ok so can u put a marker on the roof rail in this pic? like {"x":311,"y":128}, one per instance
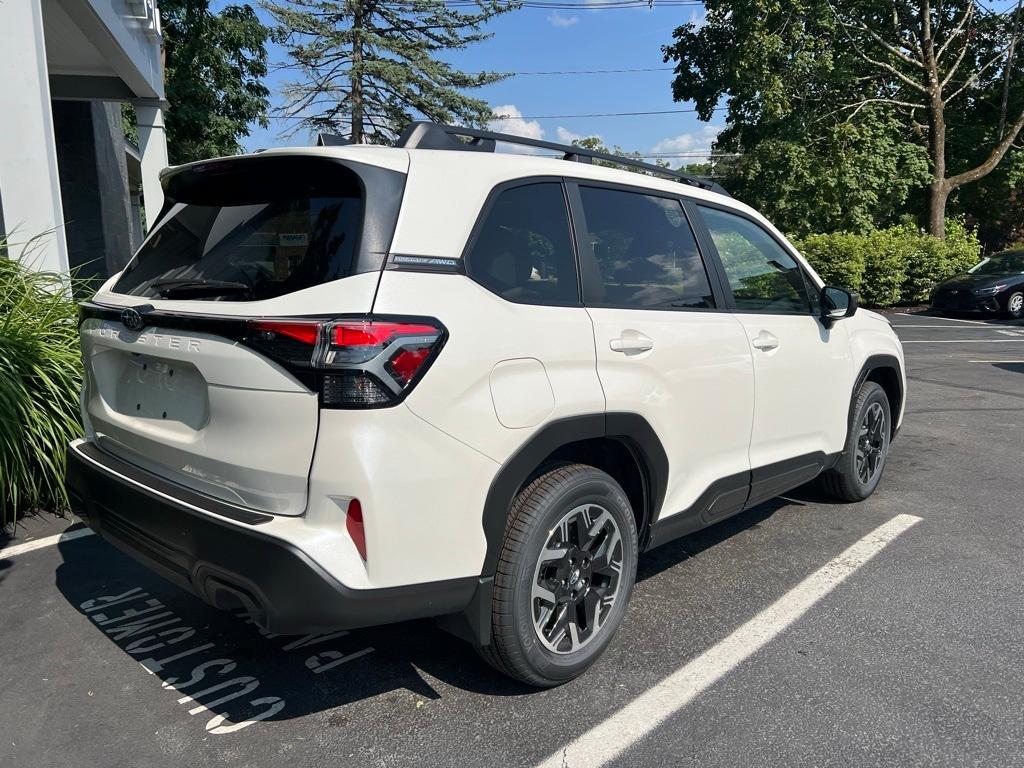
{"x":426,"y":135}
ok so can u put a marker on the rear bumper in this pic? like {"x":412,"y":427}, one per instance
{"x":219,"y":553}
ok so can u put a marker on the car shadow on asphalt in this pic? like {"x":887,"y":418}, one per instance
{"x":223,"y":660}
{"x":1011,"y":367}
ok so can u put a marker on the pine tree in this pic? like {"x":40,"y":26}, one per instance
{"x":369,"y":67}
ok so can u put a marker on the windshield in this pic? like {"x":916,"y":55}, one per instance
{"x":252,"y":232}
{"x":1005,"y":263}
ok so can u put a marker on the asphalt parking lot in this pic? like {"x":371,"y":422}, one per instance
{"x":799,"y":633}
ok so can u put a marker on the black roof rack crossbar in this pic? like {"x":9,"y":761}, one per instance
{"x":426,"y":135}
{"x":331,"y":140}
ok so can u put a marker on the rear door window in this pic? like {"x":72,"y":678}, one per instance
{"x":252,"y":230}
{"x":523,"y":250}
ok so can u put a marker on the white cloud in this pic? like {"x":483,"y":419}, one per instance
{"x":696,"y":142}
{"x":508,"y":119}
{"x":565,"y":136}
{"x":558,"y":20}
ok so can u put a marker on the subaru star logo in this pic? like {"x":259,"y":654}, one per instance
{"x":131,"y":319}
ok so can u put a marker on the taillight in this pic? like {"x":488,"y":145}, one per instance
{"x":357,"y":363}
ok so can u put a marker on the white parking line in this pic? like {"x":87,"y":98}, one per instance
{"x":612,"y":737}
{"x":948,"y":319}
{"x":993,"y":362}
{"x":946,"y":327}
{"x":962,"y":341}
{"x":46,"y":541}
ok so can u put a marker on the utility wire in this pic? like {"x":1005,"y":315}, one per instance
{"x":568,"y":5}
{"x":602,"y":114}
{"x":592,"y":71}
{"x":550,"y":117}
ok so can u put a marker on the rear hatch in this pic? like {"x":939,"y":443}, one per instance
{"x":198,"y":358}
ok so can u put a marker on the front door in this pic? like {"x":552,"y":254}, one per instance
{"x":802,"y":369}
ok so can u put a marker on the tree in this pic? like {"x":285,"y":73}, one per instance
{"x":596,"y":144}
{"x":923,"y":57}
{"x":214,"y":69}
{"x":370,"y":66}
{"x":848,"y":176}
{"x":914,"y":70}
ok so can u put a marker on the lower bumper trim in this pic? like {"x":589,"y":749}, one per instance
{"x":232,"y":566}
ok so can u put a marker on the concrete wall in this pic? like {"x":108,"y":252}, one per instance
{"x":88,"y":55}
{"x":29,"y":185}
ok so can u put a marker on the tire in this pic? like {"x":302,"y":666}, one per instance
{"x":1015,"y":305}
{"x":850,"y":480}
{"x":546,"y":642}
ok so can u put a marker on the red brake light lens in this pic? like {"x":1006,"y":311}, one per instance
{"x":375,"y":333}
{"x":304,"y":332}
{"x":404,"y":365}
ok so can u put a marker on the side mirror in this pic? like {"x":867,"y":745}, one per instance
{"x":837,"y":303}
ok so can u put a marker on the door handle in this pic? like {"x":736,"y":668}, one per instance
{"x":765,"y":341}
{"x":631,"y":342}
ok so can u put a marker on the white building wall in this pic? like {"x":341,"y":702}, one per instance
{"x":29,"y":185}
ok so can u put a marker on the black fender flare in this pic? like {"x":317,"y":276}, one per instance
{"x":872,"y":363}
{"x":632,"y":429}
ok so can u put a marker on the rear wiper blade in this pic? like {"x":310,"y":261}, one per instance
{"x":179,"y":288}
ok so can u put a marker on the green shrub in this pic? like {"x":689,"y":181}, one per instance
{"x":886,"y":267}
{"x":930,"y":260}
{"x":40,"y":376}
{"x":898,"y":265}
{"x":839,"y":257}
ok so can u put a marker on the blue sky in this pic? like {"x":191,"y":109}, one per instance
{"x":544,"y":40}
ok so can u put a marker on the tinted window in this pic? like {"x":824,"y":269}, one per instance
{"x":244,"y":236}
{"x":762,"y":275}
{"x":644,"y":251}
{"x":1006,"y":263}
{"x":523,"y":251}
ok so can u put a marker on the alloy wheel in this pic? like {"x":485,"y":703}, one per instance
{"x":1016,"y":304}
{"x":871,"y":443}
{"x":576,"y":579}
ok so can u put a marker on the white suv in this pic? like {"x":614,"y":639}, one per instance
{"x":345,"y":386}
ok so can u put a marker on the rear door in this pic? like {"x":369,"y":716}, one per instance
{"x":198,"y":365}
{"x":666,"y":350}
{"x":802,"y":369}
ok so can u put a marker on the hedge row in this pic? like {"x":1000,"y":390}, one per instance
{"x":898,"y":265}
{"x":40,"y":376}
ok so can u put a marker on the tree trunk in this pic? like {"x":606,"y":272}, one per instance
{"x":356,"y":90}
{"x":938,"y":192}
{"x":938,"y":195}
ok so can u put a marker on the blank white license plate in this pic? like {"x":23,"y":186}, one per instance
{"x":166,"y":390}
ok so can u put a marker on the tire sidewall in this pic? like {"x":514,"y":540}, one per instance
{"x":875,"y":395}
{"x":1020,"y":313}
{"x":596,"y":488}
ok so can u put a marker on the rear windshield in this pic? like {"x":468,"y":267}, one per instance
{"x":245,"y":230}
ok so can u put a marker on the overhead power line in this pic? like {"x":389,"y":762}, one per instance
{"x":553,"y":117}
{"x":569,"y":5}
{"x":603,"y":114}
{"x":594,"y":71}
